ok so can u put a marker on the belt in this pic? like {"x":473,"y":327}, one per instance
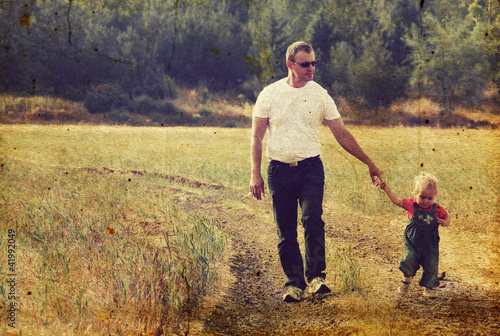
{"x":297,"y":163}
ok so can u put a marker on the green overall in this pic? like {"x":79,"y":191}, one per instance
{"x":421,"y":242}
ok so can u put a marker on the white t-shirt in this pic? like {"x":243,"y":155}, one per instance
{"x":295,"y":116}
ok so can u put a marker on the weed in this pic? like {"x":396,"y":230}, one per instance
{"x":95,"y":254}
{"x":347,"y":268}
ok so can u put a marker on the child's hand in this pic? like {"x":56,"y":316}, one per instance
{"x":380,"y":183}
{"x":443,"y":222}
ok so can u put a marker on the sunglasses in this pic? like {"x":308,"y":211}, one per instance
{"x":306,"y":64}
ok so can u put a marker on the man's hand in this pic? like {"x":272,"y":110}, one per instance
{"x":259,"y":127}
{"x":375,"y":174}
{"x":257,"y":186}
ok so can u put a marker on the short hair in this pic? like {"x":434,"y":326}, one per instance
{"x":425,"y":181}
{"x":295,"y":47}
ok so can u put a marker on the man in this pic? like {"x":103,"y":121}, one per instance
{"x":293,"y":109}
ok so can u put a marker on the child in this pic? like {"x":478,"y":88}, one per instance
{"x":421,"y":237}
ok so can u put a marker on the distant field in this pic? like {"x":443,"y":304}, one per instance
{"x":81,"y":233}
{"x":465,"y":160}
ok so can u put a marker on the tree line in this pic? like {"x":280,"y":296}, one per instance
{"x":371,"y":52}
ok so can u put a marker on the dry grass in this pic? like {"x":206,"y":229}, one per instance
{"x":43,"y":110}
{"x":422,"y":107}
{"x":101,"y":254}
{"x":423,"y":111}
{"x":210,"y":109}
{"x":490,"y":115}
{"x":199,"y":107}
{"x":93,"y":244}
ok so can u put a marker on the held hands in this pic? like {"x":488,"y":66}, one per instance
{"x":379,"y":183}
{"x":375,"y":174}
{"x":392,"y":196}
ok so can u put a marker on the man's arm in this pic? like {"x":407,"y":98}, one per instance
{"x":349,"y":143}
{"x":259,"y":127}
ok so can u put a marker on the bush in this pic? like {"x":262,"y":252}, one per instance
{"x":230,"y":124}
{"x":147,"y":105}
{"x":170,"y":87}
{"x":205,"y":95}
{"x":205,"y":113}
{"x":159,"y":87}
{"x":168,"y":108}
{"x":157,"y":117}
{"x":119,"y":115}
{"x":104,"y":98}
{"x":144,"y":105}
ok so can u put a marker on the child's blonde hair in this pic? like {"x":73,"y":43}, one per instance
{"x":425,"y":181}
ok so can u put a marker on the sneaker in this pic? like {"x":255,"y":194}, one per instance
{"x":293,"y":294}
{"x":318,"y":286}
{"x":430,"y":292}
{"x":403,"y":289}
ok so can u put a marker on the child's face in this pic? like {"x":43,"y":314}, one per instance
{"x":426,"y":198}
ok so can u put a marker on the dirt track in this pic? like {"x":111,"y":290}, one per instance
{"x":248,"y":299}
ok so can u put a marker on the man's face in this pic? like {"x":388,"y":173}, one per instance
{"x":302,"y":74}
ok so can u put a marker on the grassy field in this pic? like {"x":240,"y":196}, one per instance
{"x":113,"y":250}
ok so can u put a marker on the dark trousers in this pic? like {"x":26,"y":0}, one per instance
{"x":422,"y":246}
{"x":421,"y":242}
{"x":415,"y":257}
{"x":289,"y":187}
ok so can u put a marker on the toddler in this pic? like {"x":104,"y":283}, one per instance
{"x":421,"y":237}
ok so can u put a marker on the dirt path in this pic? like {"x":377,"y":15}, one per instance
{"x":248,"y":300}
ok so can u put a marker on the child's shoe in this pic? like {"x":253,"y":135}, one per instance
{"x":403,"y":289}
{"x":405,"y":285}
{"x":430,"y":292}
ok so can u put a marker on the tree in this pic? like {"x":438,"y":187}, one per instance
{"x":356,"y":41}
{"x":491,"y":20}
{"x":270,"y":26}
{"x":15,"y":43}
{"x":368,"y":50}
{"x":209,"y":44}
{"x":448,"y":53}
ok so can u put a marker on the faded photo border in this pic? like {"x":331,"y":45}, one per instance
{"x":125,"y":161}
